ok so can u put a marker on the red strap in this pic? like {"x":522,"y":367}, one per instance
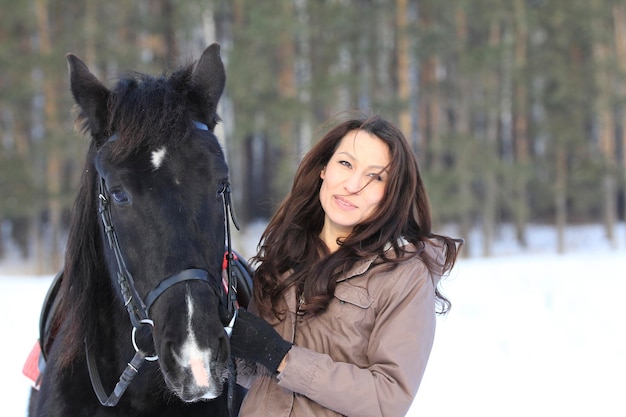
{"x":225,"y":260}
{"x":225,"y":273}
{"x":31,"y":366}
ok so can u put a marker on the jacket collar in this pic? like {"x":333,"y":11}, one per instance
{"x":363,"y":265}
{"x":359,"y":268}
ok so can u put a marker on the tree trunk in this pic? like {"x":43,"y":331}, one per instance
{"x":53,"y":169}
{"x":172,"y":53}
{"x":429,"y":104}
{"x":619,"y":19}
{"x":463,"y":130}
{"x":303,"y":76}
{"x":606,"y":131}
{"x":520,"y":124}
{"x":3,"y":238}
{"x":492,"y":84}
{"x":560,"y":195}
{"x":403,"y":70}
{"x":258,"y":178}
{"x":287,"y":80}
{"x":90,"y":34}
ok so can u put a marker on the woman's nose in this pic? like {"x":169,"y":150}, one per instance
{"x":354,"y":183}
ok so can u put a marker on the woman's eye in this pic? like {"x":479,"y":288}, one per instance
{"x":346,"y":164}
{"x":375,"y":176}
{"x":120,"y":196}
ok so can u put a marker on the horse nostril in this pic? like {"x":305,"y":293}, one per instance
{"x":167,"y":356}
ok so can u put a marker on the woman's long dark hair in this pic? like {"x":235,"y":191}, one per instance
{"x":291,"y":240}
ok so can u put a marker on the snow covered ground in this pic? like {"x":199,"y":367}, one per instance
{"x":530,"y":332}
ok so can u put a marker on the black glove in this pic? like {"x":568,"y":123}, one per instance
{"x":256,"y":340}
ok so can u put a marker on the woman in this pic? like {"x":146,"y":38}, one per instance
{"x":346,"y":283}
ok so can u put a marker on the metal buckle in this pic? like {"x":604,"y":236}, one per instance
{"x":133,"y":335}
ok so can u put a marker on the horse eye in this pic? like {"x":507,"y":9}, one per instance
{"x":221,"y":188}
{"x":120,"y":196}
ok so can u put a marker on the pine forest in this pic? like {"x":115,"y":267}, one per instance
{"x":515,"y":109}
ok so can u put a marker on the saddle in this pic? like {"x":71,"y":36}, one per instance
{"x":35,"y":363}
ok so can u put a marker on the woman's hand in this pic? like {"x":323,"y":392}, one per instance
{"x":256,"y":340}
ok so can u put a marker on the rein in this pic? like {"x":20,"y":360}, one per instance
{"x":138,"y":309}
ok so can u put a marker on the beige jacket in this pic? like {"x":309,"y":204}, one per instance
{"x":365,"y":356}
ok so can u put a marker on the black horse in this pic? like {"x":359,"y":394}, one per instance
{"x":139,"y":302}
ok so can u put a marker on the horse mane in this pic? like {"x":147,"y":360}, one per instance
{"x":143,"y":109}
{"x":84,"y":270}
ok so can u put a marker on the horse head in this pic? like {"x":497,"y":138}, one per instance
{"x":160,"y":177}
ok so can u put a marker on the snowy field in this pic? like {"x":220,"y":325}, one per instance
{"x":531,"y":333}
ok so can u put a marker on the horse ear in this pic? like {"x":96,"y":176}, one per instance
{"x":90,"y":95}
{"x":209,"y":77}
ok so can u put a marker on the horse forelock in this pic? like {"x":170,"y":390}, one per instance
{"x":148,"y":111}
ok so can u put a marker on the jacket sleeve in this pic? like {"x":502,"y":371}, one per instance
{"x":398,"y":351}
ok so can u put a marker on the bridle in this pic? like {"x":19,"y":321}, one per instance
{"x":138,"y":309}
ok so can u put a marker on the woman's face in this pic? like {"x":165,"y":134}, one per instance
{"x":353,"y":183}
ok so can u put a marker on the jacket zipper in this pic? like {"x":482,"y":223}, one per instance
{"x":298,"y":317}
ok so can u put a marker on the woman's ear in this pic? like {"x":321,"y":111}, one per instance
{"x":323,"y":172}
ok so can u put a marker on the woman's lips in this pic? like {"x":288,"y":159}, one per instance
{"x":343,"y":203}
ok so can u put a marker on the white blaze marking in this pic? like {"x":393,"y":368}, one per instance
{"x":157,"y":157}
{"x":191,"y":356}
{"x":199,"y":373}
